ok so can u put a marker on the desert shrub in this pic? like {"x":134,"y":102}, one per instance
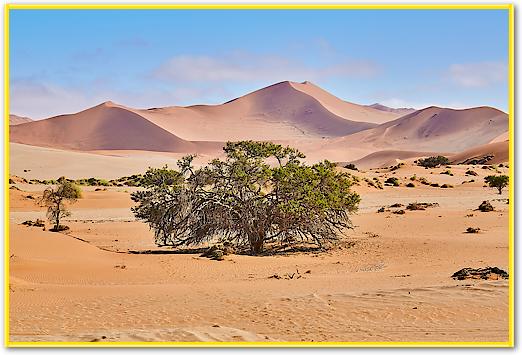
{"x":351,"y":166}
{"x":399,"y":212}
{"x":471,"y":172}
{"x":396,"y":205}
{"x":497,"y":181}
{"x":59,"y":228}
{"x":410,"y":184}
{"x":391,"y":181}
{"x":433,"y":162}
{"x":485,"y":206}
{"x":380,"y":210}
{"x":446,"y":186}
{"x":447,"y":172}
{"x":396,"y":167}
{"x":414,"y":177}
{"x":37,"y":223}
{"x":472,"y":230}
{"x":420,"y":206}
{"x":246,"y":200}
{"x":434,"y":184}
{"x":54,"y":199}
{"x":423,"y":181}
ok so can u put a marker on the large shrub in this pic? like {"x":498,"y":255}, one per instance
{"x":433,"y":162}
{"x":260,"y":192}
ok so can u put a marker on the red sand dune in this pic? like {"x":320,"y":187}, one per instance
{"x":298,"y":114}
{"x":499,"y":150}
{"x":386,"y":158}
{"x":432,"y":129}
{"x":401,"y":110}
{"x":16,"y":120}
{"x":106,"y":126}
{"x":281,"y":111}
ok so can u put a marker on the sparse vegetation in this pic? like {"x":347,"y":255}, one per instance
{"x":433,"y":162}
{"x":446,"y":186}
{"x":351,"y":166}
{"x":399,"y":212}
{"x":447,"y":172}
{"x":420,"y":206}
{"x":472,"y":230}
{"x":471,"y":172}
{"x":486,"y":206}
{"x":497,"y":181}
{"x":396,"y":167}
{"x":37,"y":223}
{"x":410,"y":184}
{"x":246,"y":201}
{"x":54,"y":199}
{"x":392,"y":181}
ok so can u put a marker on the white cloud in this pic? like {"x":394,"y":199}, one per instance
{"x":242,"y":67}
{"x":478,"y":75}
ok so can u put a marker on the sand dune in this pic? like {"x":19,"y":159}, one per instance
{"x":16,"y":120}
{"x":499,"y":151}
{"x":501,"y":138}
{"x":386,"y":158}
{"x":431,"y":129}
{"x":400,"y":110}
{"x":281,"y":111}
{"x":106,"y":126}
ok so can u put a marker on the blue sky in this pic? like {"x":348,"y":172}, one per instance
{"x":63,"y":61}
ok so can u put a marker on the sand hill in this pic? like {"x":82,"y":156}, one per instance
{"x":431,"y":129}
{"x":400,"y":110}
{"x":16,"y":120}
{"x":494,"y":153}
{"x":283,"y":111}
{"x":298,"y":114}
{"x":104,"y":127}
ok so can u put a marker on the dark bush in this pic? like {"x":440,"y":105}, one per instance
{"x":433,"y":162}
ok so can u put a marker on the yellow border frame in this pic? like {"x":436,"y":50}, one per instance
{"x":509,"y":7}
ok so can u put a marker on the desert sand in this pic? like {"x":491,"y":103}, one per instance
{"x":388,"y":280}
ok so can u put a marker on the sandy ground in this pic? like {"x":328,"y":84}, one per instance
{"x":388,"y":280}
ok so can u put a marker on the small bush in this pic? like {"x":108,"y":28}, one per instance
{"x":446,"y":186}
{"x":392,"y":181}
{"x":380,"y":210}
{"x":433,"y":162}
{"x":471,"y":172}
{"x":423,"y":181}
{"x":486,"y":206}
{"x":396,"y":167}
{"x":396,"y":205}
{"x":410,"y":184}
{"x":420,"y":206}
{"x":472,"y":230}
{"x":37,"y":223}
{"x":434,"y":185}
{"x":447,"y":172}
{"x":399,"y":212}
{"x":414,"y":177}
{"x":351,"y":166}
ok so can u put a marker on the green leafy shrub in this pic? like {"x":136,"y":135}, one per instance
{"x":433,"y":162}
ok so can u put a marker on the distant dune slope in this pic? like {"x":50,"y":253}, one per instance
{"x":432,"y":129}
{"x":386,"y":158}
{"x":345,"y":109}
{"x":16,"y":120}
{"x":106,"y":126}
{"x":401,"y":110}
{"x":284,"y":110}
{"x":499,"y":151}
{"x":501,"y":138}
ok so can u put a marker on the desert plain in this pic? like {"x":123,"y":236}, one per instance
{"x":388,"y":279}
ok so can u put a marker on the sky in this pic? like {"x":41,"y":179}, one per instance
{"x":64,"y":61}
